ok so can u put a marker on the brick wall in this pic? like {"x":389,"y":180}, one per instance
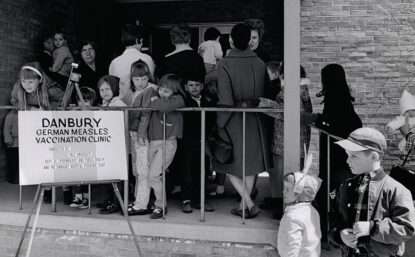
{"x":374,"y":41}
{"x":52,"y":243}
{"x":23,"y":24}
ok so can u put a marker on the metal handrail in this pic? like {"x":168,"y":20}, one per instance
{"x":186,"y":109}
{"x":203,"y":111}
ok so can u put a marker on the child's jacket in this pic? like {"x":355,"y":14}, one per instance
{"x":192,"y":121}
{"x":62,"y":60}
{"x":174,"y":120}
{"x":299,"y":233}
{"x":10,"y":130}
{"x":390,"y":205}
{"x":140,"y":120}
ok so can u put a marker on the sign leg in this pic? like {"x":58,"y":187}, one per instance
{"x":32,"y":234}
{"x":28,"y":221}
{"x":127,"y":218}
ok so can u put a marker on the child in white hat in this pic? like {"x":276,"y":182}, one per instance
{"x":299,"y":233}
{"x":407,"y":108}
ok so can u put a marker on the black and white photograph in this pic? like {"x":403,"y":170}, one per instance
{"x":207,"y":128}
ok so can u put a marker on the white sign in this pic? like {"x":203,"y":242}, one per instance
{"x":71,"y":146}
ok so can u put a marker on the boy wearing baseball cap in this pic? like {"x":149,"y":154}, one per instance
{"x":374,"y":214}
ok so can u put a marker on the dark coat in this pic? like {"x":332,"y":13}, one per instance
{"x":89,"y":77}
{"x":188,"y":64}
{"x":242,"y":77}
{"x":342,"y":120}
{"x":192,"y":121}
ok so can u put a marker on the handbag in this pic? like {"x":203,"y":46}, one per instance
{"x":219,"y":148}
{"x":404,"y":176}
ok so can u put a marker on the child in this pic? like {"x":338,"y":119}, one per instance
{"x":109,"y":89}
{"x":139,"y":122}
{"x":211,"y":50}
{"x":81,"y":192}
{"x":274,"y":77}
{"x":10,"y":132}
{"x":33,"y":91}
{"x":62,"y":59}
{"x":190,"y":154}
{"x":374,"y":214}
{"x":407,"y":108}
{"x":299,"y":233}
{"x":46,"y":57}
{"x":170,"y":98}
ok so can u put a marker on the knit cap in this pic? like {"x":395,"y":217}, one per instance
{"x":114,"y":83}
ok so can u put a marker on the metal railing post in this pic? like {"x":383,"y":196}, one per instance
{"x":243,"y":165}
{"x":164,"y":166}
{"x":202,"y":166}
{"x":53,"y":199}
{"x":20,"y":198}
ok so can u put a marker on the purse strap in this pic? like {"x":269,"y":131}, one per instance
{"x":229,"y":141}
{"x":406,"y":157}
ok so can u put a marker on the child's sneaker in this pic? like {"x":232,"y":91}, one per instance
{"x":84,"y":204}
{"x":158,"y":213}
{"x":76,"y":203}
{"x":187,"y":206}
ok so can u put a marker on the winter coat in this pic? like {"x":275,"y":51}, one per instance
{"x":391,"y":208}
{"x":140,"y":120}
{"x":299,"y":233}
{"x":242,"y":77}
{"x":174,"y":120}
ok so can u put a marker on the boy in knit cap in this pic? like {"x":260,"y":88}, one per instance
{"x":299,"y":233}
{"x":374,"y":214}
{"x":407,"y":108}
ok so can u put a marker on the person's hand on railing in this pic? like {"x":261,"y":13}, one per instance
{"x":153,"y":98}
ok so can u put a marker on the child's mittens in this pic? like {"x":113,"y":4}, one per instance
{"x":398,"y":122}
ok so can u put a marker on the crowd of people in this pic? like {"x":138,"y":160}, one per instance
{"x":371,"y":211}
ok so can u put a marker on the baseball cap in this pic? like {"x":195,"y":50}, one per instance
{"x":364,"y":139}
